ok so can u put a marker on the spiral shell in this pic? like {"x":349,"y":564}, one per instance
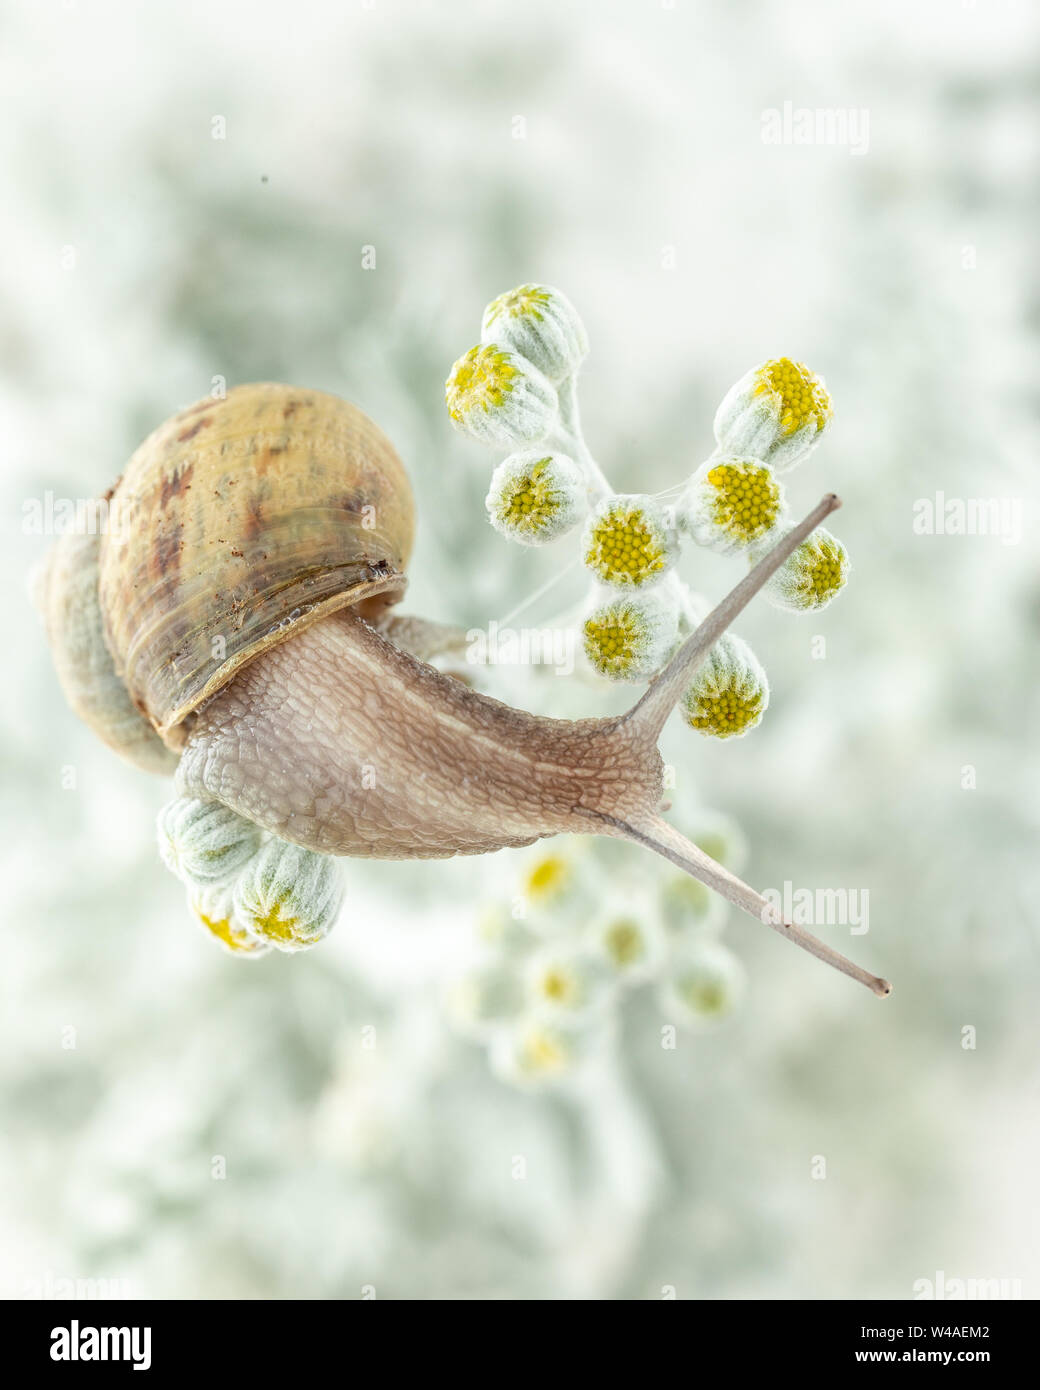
{"x":241,"y":520}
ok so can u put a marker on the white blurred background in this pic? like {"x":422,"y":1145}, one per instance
{"x":142,"y":257}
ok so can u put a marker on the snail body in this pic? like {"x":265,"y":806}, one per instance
{"x":240,"y":632}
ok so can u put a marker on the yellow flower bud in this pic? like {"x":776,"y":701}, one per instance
{"x":214,"y":908}
{"x":537,"y":1054}
{"x":540,"y":324}
{"x":630,"y":636}
{"x":499,"y":397}
{"x":566,"y":985}
{"x":810,"y":578}
{"x":535,"y":498}
{"x":629,"y":943}
{"x":289,"y":896}
{"x":733,"y":503}
{"x":729,"y":694}
{"x":777,"y":412}
{"x":628,"y":542}
{"x":705,"y":986}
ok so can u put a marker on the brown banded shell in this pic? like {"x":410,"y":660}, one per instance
{"x":239,"y":520}
{"x":66,"y":594}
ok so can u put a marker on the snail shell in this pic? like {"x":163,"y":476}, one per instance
{"x":237,"y":522}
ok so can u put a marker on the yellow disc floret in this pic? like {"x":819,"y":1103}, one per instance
{"x":803,"y":399}
{"x":825,"y":575}
{"x":729,"y":694}
{"x":543,"y":1051}
{"x":722,"y":713}
{"x":624,"y":942}
{"x":282,"y":925}
{"x":705,"y":996}
{"x":559,"y":987}
{"x":626,"y":543}
{"x":746,"y":500}
{"x":536,"y":497}
{"x":812,"y":576}
{"x":525,"y":300}
{"x":480,"y":380}
{"x":613,"y":640}
{"x":528,"y":504}
{"x":629,"y":636}
{"x":224,"y":929}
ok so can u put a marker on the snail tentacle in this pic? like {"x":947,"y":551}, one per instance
{"x":657,"y":835}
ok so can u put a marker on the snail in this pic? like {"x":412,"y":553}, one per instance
{"x":236,"y":628}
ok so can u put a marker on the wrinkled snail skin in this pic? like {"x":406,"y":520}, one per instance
{"x":345,"y":743}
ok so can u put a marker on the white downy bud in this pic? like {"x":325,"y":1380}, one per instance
{"x":777,"y":412}
{"x":810,"y":578}
{"x":628,"y":637}
{"x":535,"y":497}
{"x":536,"y":1053}
{"x":205,"y":842}
{"x":704,"y":986}
{"x":566,"y":985}
{"x":733,"y":503}
{"x":629,"y":542}
{"x":540,"y":324}
{"x":214,"y":908}
{"x":500,"y":398}
{"x":729,"y":693}
{"x":629,"y":942}
{"x":289,"y":896}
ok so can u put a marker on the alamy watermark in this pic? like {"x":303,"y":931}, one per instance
{"x":80,"y":516}
{"x":969,"y":516}
{"x":49,"y":1285}
{"x":847,"y":126}
{"x":944,"y":1287}
{"x":817,"y":907}
{"x":522,"y":646}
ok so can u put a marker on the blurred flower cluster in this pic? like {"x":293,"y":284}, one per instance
{"x":518,"y":388}
{"x":552,"y":964}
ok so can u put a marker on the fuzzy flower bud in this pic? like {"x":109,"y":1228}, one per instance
{"x":500,"y":398}
{"x":536,"y":497}
{"x":733,"y":503}
{"x":537,"y":1053}
{"x":730,"y":693}
{"x":629,"y":943}
{"x":540,"y":324}
{"x":204,"y":841}
{"x":289,"y":896}
{"x":566,"y":985}
{"x":704,"y":987}
{"x":214,"y":908}
{"x":810,"y":578}
{"x":629,"y":636}
{"x":628,"y":542}
{"x":777,"y":413}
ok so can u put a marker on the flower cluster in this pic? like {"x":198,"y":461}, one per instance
{"x":517,"y":387}
{"x":250,"y":890}
{"x":550,"y":969}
